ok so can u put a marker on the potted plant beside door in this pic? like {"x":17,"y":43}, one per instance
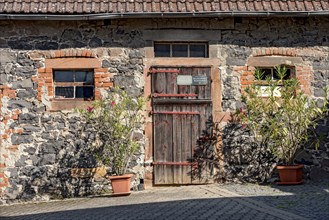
{"x":282,"y":122}
{"x":115,"y":119}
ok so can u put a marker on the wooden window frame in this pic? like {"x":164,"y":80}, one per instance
{"x":188,"y":43}
{"x":291,"y":72}
{"x":74,"y":85}
{"x":263,"y":83}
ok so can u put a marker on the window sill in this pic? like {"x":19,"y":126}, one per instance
{"x":265,"y":83}
{"x":67,"y":105}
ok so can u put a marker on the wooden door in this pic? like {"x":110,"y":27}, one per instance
{"x":181,"y":101}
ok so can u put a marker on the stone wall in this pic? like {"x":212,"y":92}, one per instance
{"x":301,"y":43}
{"x":39,"y":146}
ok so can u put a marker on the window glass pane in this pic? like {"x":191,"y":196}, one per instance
{"x":64,"y":92}
{"x":197,"y":50}
{"x":179,"y":50}
{"x":162,"y":50}
{"x":63,"y":76}
{"x":84,"y":76}
{"x":266,"y":73}
{"x":86,"y":92}
{"x":276,"y":77}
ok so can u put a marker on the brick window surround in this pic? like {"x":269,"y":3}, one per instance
{"x":70,"y":60}
{"x":272,"y":57}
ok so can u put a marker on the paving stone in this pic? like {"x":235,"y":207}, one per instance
{"x":186,"y":202}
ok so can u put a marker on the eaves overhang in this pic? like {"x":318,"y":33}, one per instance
{"x":102,"y":16}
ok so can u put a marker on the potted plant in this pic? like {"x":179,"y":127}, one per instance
{"x":281,"y":119}
{"x":114,"y":120}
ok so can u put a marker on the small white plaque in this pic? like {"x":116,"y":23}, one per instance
{"x":184,"y":80}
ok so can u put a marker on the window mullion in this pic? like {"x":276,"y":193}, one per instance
{"x":188,"y":50}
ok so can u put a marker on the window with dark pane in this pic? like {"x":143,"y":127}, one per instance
{"x":162,"y":50}
{"x":198,"y":50}
{"x":74,"y":84}
{"x":84,"y":92}
{"x":63,"y":76}
{"x":180,"y":49}
{"x":64,"y":92}
{"x":271,"y":73}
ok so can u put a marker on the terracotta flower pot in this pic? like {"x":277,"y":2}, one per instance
{"x":290,"y":175}
{"x":121,"y":185}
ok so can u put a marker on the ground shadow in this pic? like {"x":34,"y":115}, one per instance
{"x":258,"y":207}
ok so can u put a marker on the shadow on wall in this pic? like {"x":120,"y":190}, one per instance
{"x":63,"y":179}
{"x":244,"y":161}
{"x":77,"y":173}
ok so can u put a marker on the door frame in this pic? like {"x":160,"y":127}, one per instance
{"x":216,"y":98}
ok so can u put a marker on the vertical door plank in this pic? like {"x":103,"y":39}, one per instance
{"x":159,"y":177}
{"x":186,"y":148}
{"x":177,"y":143}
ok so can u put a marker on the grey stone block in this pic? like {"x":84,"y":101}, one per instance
{"x":13,"y":172}
{"x":7,"y":57}
{"x":30,"y":150}
{"x":3,"y":79}
{"x":48,"y":159}
{"x":27,"y":83}
{"x":29,"y":118}
{"x":71,"y":34}
{"x":24,"y":60}
{"x":25,"y":71}
{"x":49,"y":147}
{"x":17,"y":139}
{"x":26,"y":93}
{"x":13,"y":104}
{"x":21,"y":161}
{"x":95,"y":42}
{"x":31,"y":128}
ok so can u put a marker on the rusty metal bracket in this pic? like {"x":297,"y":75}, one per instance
{"x":175,"y":163}
{"x":164,"y":71}
{"x":174,"y":95}
{"x":175,"y":113}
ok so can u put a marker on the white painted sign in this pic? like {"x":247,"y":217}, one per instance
{"x":184,"y":80}
{"x":188,"y":80}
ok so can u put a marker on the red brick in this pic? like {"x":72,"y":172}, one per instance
{"x":12,"y":148}
{"x":108,"y":84}
{"x":84,"y":53}
{"x":57,"y":53}
{"x":79,"y":53}
{"x":267,"y":51}
{"x":18,"y":131}
{"x":102,"y":70}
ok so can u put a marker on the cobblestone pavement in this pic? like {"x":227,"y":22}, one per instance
{"x":310,"y":200}
{"x":185,"y":202}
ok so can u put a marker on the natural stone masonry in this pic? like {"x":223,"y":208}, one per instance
{"x":39,"y":147}
{"x":42,"y":140}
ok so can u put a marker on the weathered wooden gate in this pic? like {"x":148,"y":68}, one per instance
{"x":181,"y":101}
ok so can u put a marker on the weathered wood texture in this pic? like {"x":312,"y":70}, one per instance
{"x":178,"y":122}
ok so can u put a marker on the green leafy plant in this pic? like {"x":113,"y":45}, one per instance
{"x":280,"y":122}
{"x":114,"y":120}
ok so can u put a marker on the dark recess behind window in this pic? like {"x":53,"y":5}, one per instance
{"x":181,"y":49}
{"x":74,"y":84}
